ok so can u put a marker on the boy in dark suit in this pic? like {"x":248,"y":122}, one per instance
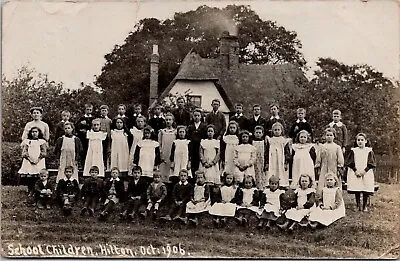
{"x":83,"y":125}
{"x":195,"y":133}
{"x":300,"y":124}
{"x":240,"y":118}
{"x":256,"y":119}
{"x":181,"y":115}
{"x":67,"y":190}
{"x":92,"y":191}
{"x":274,"y":118}
{"x":157,"y":122}
{"x":113,"y":190}
{"x":137,"y":189}
{"x":65,"y":117}
{"x":216,"y":118}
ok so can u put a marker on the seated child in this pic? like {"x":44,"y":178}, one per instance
{"x":137,"y":189}
{"x":156,"y":193}
{"x":331,"y":207}
{"x":224,"y":205}
{"x":113,"y":190}
{"x":200,"y":201}
{"x":270,"y":202}
{"x":181,"y":194}
{"x":67,"y":190}
{"x":305,"y":201}
{"x":43,"y":190}
{"x":92,"y":191}
{"x":247,"y":200}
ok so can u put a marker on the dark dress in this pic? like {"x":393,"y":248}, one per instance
{"x":83,"y":125}
{"x":195,"y":136}
{"x":181,"y":192}
{"x":92,"y":191}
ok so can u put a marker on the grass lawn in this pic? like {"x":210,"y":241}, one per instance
{"x":358,"y":235}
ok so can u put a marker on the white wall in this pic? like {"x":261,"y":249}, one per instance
{"x":206,"y":89}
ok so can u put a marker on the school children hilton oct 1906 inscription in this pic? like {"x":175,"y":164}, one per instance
{"x":98,"y":250}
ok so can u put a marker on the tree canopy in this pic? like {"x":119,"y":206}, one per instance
{"x":125,"y":75}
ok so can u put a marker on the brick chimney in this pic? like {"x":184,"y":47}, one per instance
{"x":229,"y":51}
{"x":154,"y":61}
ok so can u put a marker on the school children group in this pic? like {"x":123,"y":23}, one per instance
{"x":178,"y":164}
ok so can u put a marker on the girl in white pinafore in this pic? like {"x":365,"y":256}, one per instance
{"x":244,"y":158}
{"x":331,"y":208}
{"x":228,"y":144}
{"x":209,"y":157}
{"x":360,"y":175}
{"x":200,"y":201}
{"x":94,"y":156}
{"x":166,"y":138}
{"x":180,"y":153}
{"x":137,"y":133}
{"x":278,"y":155}
{"x":224,"y":205}
{"x":121,"y":138}
{"x":303,"y":158}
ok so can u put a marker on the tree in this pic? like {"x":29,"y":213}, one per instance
{"x":367,"y":99}
{"x":30,"y":89}
{"x":125,"y":75}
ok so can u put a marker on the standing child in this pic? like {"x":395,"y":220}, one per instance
{"x":361,"y":163}
{"x":228,"y":144}
{"x":273,"y":119}
{"x":217,"y":119}
{"x":59,"y":132}
{"x":329,"y":160}
{"x":244,"y":157}
{"x":278,"y":155}
{"x":300,"y":124}
{"x":68,"y":150}
{"x":341,"y":137}
{"x":137,"y":189}
{"x":270,"y":203}
{"x":137,"y":113}
{"x":200,"y":198}
{"x":113,"y":191}
{"x":137,"y":134}
{"x":83,"y":125}
{"x":225,"y":204}
{"x":67,"y":190}
{"x":94,"y":155}
{"x":92,"y":191}
{"x":241,"y":120}
{"x":166,"y":138}
{"x":261,"y":155}
{"x":257,"y":119}
{"x":247,"y":200}
{"x":121,"y":115}
{"x":36,"y":114}
{"x":180,"y":157}
{"x":181,"y":194}
{"x":43,"y":190}
{"x":34,"y":151}
{"x":147,"y":154}
{"x":181,"y":114}
{"x":105,"y":126}
{"x":195,"y":133}
{"x":305,"y":201}
{"x":303,"y":157}
{"x":209,"y":157}
{"x":331,"y":206}
{"x":157,"y":122}
{"x":121,"y":141}
{"x":156,"y":193}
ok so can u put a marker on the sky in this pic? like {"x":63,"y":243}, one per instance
{"x":68,"y":40}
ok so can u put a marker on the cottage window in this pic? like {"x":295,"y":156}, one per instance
{"x":195,"y":100}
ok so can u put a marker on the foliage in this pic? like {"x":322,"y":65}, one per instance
{"x":125,"y":75}
{"x":11,"y":162}
{"x":365,"y":97}
{"x":30,"y":89}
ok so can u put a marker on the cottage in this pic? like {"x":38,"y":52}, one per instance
{"x":227,"y":79}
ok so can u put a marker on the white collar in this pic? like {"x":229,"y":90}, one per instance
{"x":186,"y":182}
{"x":239,"y":115}
{"x":71,"y":179}
{"x":215,"y":112}
{"x":104,"y":117}
{"x":256,"y":117}
{"x":116,"y":179}
{"x":274,"y":117}
{"x":303,"y":121}
{"x":197,"y":124}
{"x":87,"y":116}
{"x":121,"y":116}
{"x":44,"y":182}
{"x":137,"y":115}
{"x":160,"y":116}
{"x":339,"y":124}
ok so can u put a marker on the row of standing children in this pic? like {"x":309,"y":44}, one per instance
{"x":146,"y":152}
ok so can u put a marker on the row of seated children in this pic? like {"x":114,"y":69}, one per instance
{"x":271,"y":205}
